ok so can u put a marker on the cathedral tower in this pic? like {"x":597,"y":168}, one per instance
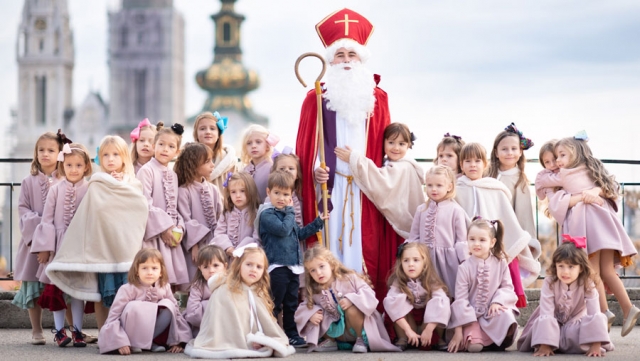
{"x":146,"y":62}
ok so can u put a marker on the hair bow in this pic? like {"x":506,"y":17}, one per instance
{"x":400,"y":250}
{"x":135,"y":133}
{"x":238,"y":252}
{"x":412,"y":138}
{"x":96,"y":160}
{"x":177,"y":128}
{"x":525,"y":143}
{"x":221,"y":123}
{"x":581,"y":135}
{"x":453,"y":136}
{"x":66,"y":149}
{"x":579,"y":242}
{"x":286,"y":150}
{"x":272,"y":139}
{"x":226,"y":181}
{"x":62,"y":139}
{"x":492,"y":222}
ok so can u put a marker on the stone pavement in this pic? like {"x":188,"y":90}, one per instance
{"x":14,"y":346}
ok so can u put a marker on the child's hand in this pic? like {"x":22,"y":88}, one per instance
{"x":194,"y":253}
{"x":43,"y":257}
{"x":592,"y":196}
{"x":229,"y":251}
{"x":412,"y":338}
{"x":594,"y":350}
{"x":456,"y":342}
{"x":256,"y":346}
{"x":116,"y":175}
{"x":345,"y":303}
{"x":545,"y":350}
{"x":175,"y":349}
{"x":495,"y":309}
{"x":323,"y":217}
{"x":427,"y":333}
{"x":343,"y":153}
{"x":321,"y":175}
{"x":124,"y":350}
{"x":167,"y":237}
{"x":316,"y":318}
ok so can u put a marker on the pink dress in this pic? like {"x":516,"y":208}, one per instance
{"x":200,"y":205}
{"x":199,"y":295}
{"x":397,"y":305}
{"x":33,"y":194}
{"x":443,"y":228}
{"x":160,"y":186}
{"x":260,"y":174}
{"x":568,"y":320}
{"x":136,"y":167}
{"x":479,"y":284}
{"x":233,"y":229}
{"x":356,"y":290}
{"x":132,"y":318}
{"x":599,"y":224}
{"x":62,"y":201}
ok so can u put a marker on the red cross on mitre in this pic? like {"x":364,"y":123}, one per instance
{"x":343,"y":24}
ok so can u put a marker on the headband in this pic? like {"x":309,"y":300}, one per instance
{"x":458,"y":138}
{"x":238,"y":252}
{"x":525,"y":143}
{"x":581,"y":135}
{"x":135,"y":133}
{"x":221,"y":123}
{"x":400,"y":249}
{"x":286,"y":150}
{"x":579,"y":242}
{"x":492,"y":222}
{"x":62,"y":139}
{"x":66,"y":149}
{"x":226,"y":181}
{"x":272,"y":139}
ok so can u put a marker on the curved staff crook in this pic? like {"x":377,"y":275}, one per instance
{"x":320,"y":136}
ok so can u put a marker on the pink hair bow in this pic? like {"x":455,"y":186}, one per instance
{"x":272,"y":139}
{"x":579,"y":242}
{"x":286,"y":150}
{"x":135,"y":133}
{"x":66,"y":149}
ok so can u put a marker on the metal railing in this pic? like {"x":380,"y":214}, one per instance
{"x":426,"y":161}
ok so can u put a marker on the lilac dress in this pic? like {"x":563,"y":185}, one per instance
{"x":160,"y":187}
{"x":233,"y":229}
{"x":479,"y":284}
{"x":132,"y":318}
{"x":62,"y":201}
{"x":443,"y":228}
{"x":200,"y":205}
{"x":356,"y":290}
{"x":260,"y":174}
{"x":568,"y":320}
{"x":199,"y":295}
{"x":397,"y":305}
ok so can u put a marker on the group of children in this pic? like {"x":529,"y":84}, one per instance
{"x":231,"y":235}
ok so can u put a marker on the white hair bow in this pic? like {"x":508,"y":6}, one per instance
{"x":66,"y":149}
{"x":238,"y":252}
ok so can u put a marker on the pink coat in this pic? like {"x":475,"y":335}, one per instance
{"x":198,"y":299}
{"x":132,"y":318}
{"x":160,"y":187}
{"x":479,"y":284}
{"x":62,"y":201}
{"x":260,"y":174}
{"x":233,"y":229}
{"x":599,"y":224}
{"x":397,"y":305}
{"x":568,"y":320}
{"x":356,"y":290}
{"x":200,"y":205}
{"x":443,"y":228}
{"x":33,"y":194}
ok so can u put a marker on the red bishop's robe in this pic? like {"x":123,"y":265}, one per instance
{"x":379,"y":240}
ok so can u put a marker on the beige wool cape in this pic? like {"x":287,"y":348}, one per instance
{"x":104,"y":236}
{"x":227,"y":331}
{"x":395,"y":189}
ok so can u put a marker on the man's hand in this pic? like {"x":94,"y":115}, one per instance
{"x":321,"y":175}
{"x":343,"y":153}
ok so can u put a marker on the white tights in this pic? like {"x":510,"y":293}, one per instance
{"x":77,"y":312}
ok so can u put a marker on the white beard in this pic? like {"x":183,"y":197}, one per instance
{"x":350,"y":92}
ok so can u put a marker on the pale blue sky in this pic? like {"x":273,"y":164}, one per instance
{"x":465,"y":67}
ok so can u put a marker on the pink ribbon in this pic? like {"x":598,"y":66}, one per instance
{"x":272,"y":139}
{"x":579,"y":242}
{"x":66,"y":149}
{"x":135,"y":133}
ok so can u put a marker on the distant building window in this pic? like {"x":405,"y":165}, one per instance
{"x":41,"y":45}
{"x":124,"y":34}
{"x":226,"y":32}
{"x":140,"y":92}
{"x":41,"y":100}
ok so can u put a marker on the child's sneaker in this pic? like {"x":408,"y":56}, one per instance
{"x":157,"y":348}
{"x":359,"y":346}
{"x":326,"y":346}
{"x":78,"y":337}
{"x":61,"y":337}
{"x":89,"y":338}
{"x":297,"y":342}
